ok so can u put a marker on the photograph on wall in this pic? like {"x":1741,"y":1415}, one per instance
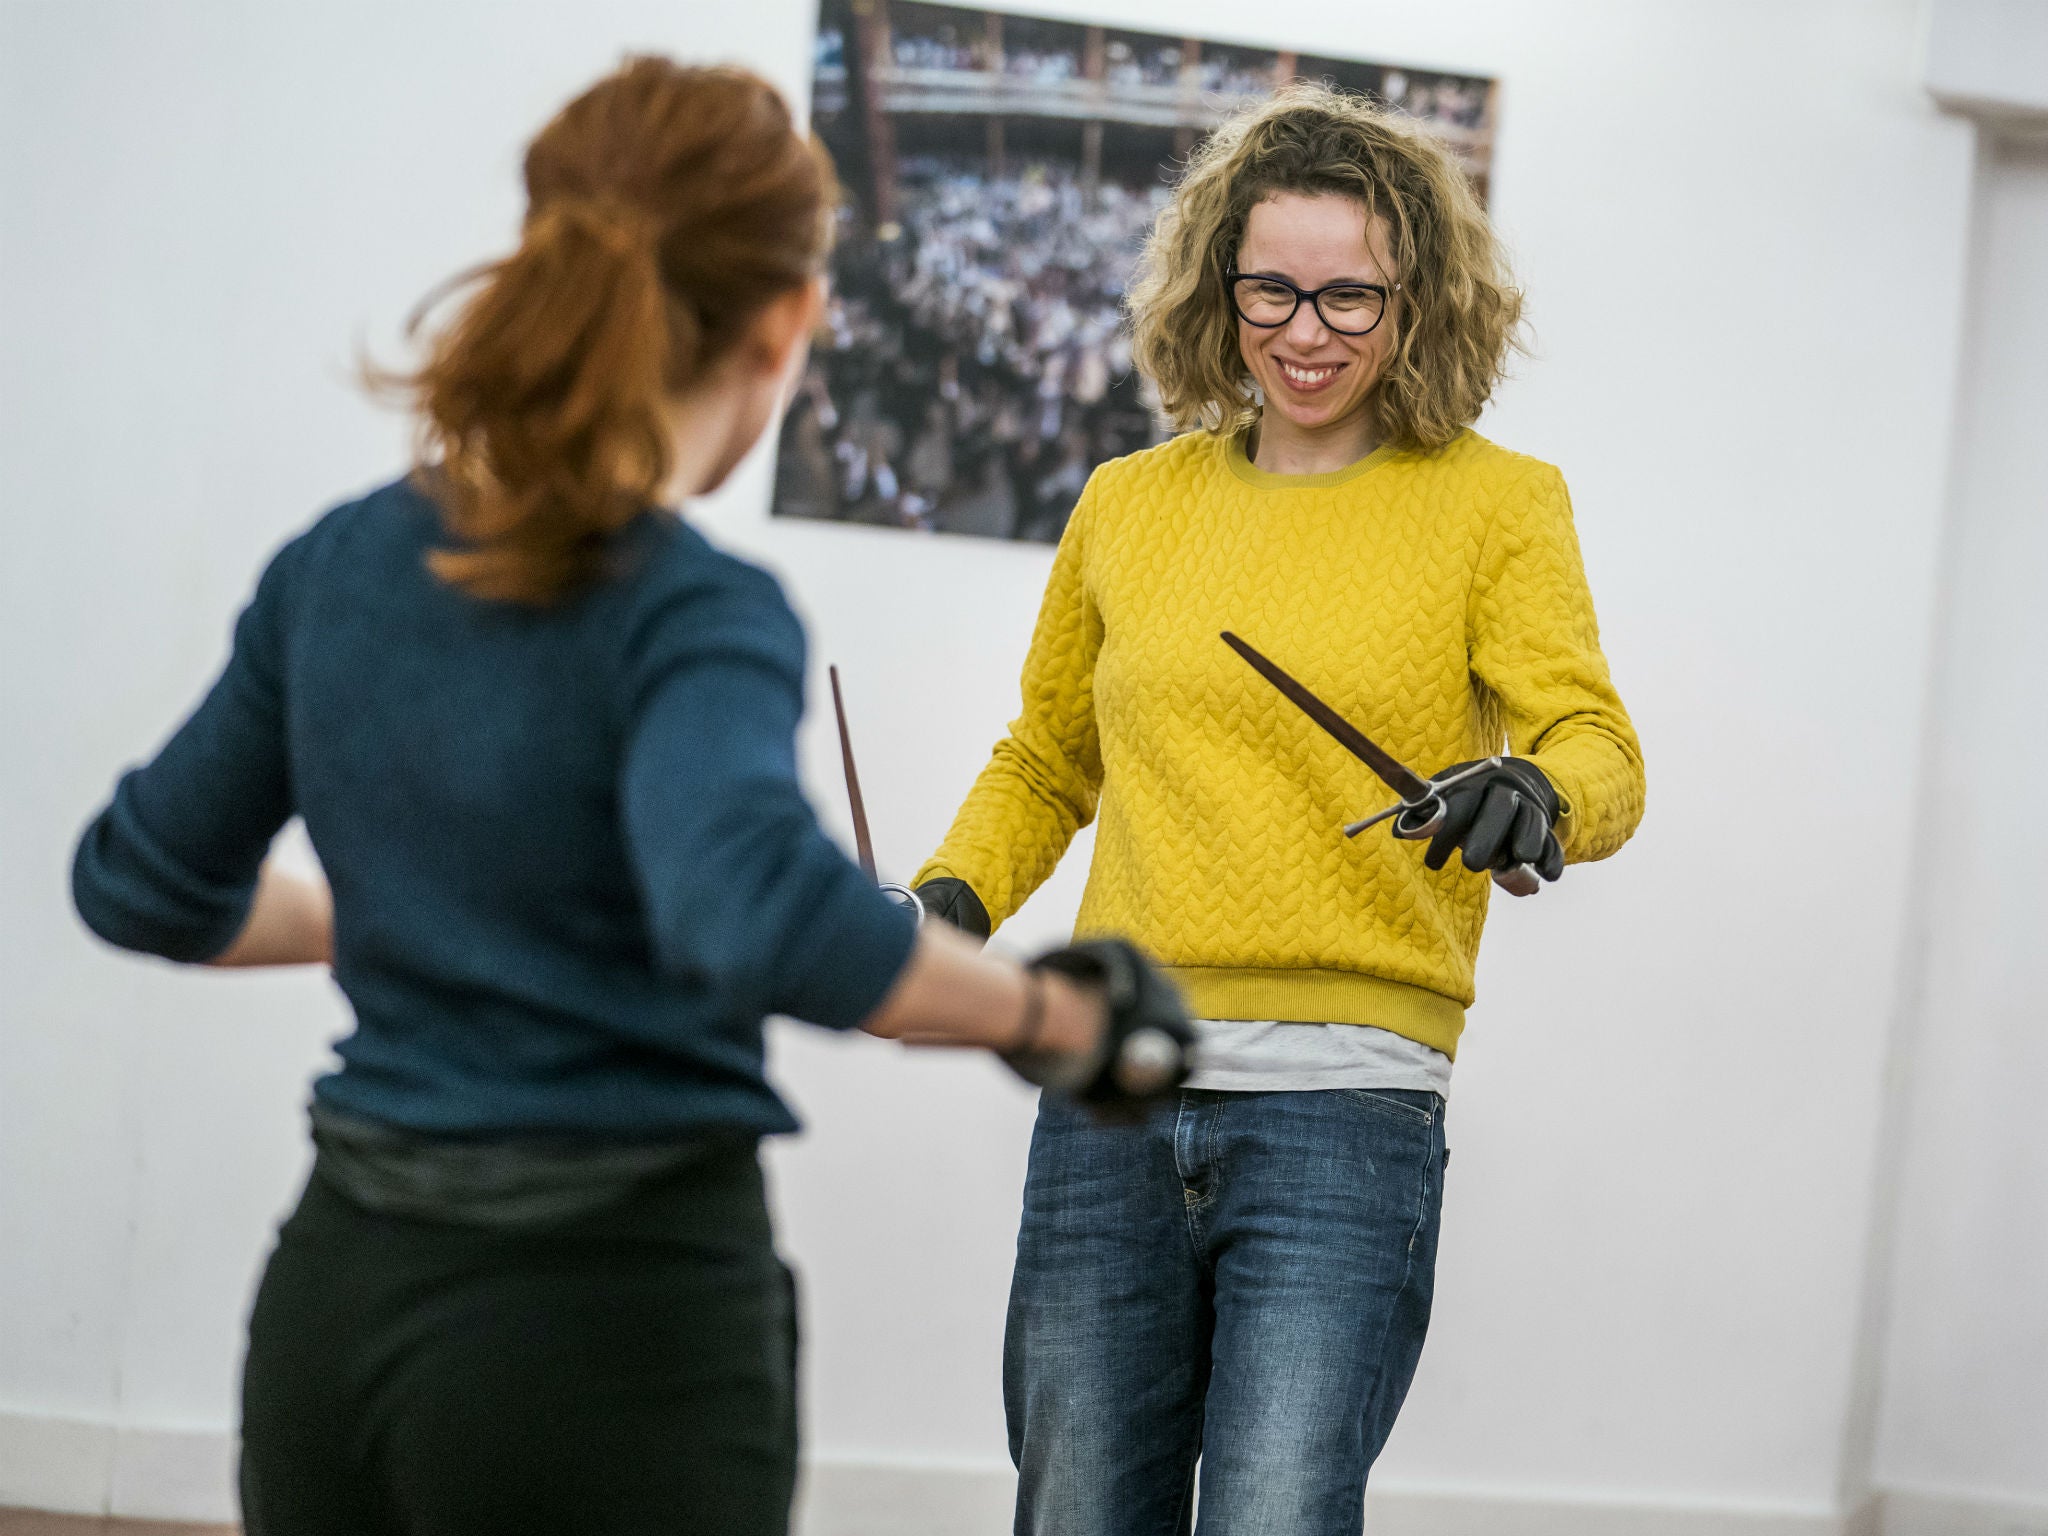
{"x":1002,"y":172}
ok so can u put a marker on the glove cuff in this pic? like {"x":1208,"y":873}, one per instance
{"x":953,"y":901}
{"x":1535,"y":785}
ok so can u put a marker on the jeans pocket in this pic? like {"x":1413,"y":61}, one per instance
{"x":1416,"y":1108}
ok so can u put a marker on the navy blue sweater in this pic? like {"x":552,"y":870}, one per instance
{"x":572,"y":866}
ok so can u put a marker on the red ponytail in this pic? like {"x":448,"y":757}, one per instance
{"x":667,"y":206}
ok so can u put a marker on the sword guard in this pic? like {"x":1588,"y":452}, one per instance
{"x":1431,"y":810}
{"x":1418,"y":822}
{"x":904,"y":897}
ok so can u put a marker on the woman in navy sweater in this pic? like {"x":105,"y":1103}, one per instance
{"x":542,"y":736}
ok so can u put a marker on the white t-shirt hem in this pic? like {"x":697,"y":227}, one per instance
{"x":1268,"y":1056}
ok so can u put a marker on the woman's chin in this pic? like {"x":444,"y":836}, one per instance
{"x":1311,"y":413}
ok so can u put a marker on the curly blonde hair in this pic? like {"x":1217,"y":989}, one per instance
{"x":1458,"y":309}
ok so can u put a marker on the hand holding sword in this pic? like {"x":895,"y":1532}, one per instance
{"x":1500,"y":809}
{"x":1146,"y":1046}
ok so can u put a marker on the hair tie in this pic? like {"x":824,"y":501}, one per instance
{"x":616,"y":224}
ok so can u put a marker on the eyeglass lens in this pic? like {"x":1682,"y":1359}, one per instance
{"x":1264,"y":302}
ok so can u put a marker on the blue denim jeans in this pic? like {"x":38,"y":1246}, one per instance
{"x":1245,"y":1280}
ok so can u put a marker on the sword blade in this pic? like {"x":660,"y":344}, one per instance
{"x":863,"y":846}
{"x":1397,"y":776}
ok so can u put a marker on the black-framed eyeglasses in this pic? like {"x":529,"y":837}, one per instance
{"x":1269,"y":302}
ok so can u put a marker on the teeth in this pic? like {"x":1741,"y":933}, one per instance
{"x":1306,"y":375}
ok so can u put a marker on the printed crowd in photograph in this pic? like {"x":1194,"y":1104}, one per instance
{"x":1002,"y":173}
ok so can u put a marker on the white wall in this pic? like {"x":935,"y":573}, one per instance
{"x":1989,"y":57}
{"x":1666,"y":1109}
{"x":1965,"y":1408}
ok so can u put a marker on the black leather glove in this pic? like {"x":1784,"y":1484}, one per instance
{"x":1499,"y":819}
{"x":953,"y":901}
{"x":1147,"y":1049}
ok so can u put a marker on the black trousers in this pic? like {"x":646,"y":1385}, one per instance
{"x":630,"y":1373}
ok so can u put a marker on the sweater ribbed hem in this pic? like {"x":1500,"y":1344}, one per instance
{"x":1322,"y":997}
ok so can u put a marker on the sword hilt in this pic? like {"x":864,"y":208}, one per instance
{"x":1412,"y":824}
{"x":905,"y":898}
{"x":1522,"y":880}
{"x":1419,"y":820}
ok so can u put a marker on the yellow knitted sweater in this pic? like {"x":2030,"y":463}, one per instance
{"x":1436,"y":600}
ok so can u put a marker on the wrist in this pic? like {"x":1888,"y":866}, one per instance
{"x":1074,"y":1018}
{"x":1032,"y":1024}
{"x":1537,"y":784}
{"x":1071,"y":1036}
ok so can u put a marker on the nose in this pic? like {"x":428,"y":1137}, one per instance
{"x":1306,"y":329}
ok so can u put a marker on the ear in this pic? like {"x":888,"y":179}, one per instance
{"x":786,"y":324}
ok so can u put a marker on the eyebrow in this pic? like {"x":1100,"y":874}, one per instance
{"x":1338,"y":282}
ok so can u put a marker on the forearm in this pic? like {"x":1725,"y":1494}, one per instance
{"x":167,"y":867}
{"x":290,"y":922}
{"x":1536,"y":645}
{"x":953,"y":992}
{"x":1043,"y":780}
{"x":1014,"y":826}
{"x":1598,"y":773}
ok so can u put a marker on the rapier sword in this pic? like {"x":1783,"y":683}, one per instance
{"x":1421,"y":809}
{"x":864,"y":847}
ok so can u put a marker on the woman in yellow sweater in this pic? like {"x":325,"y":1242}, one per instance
{"x":1324,"y":311}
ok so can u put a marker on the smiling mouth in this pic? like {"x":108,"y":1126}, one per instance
{"x":1308,"y":379}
